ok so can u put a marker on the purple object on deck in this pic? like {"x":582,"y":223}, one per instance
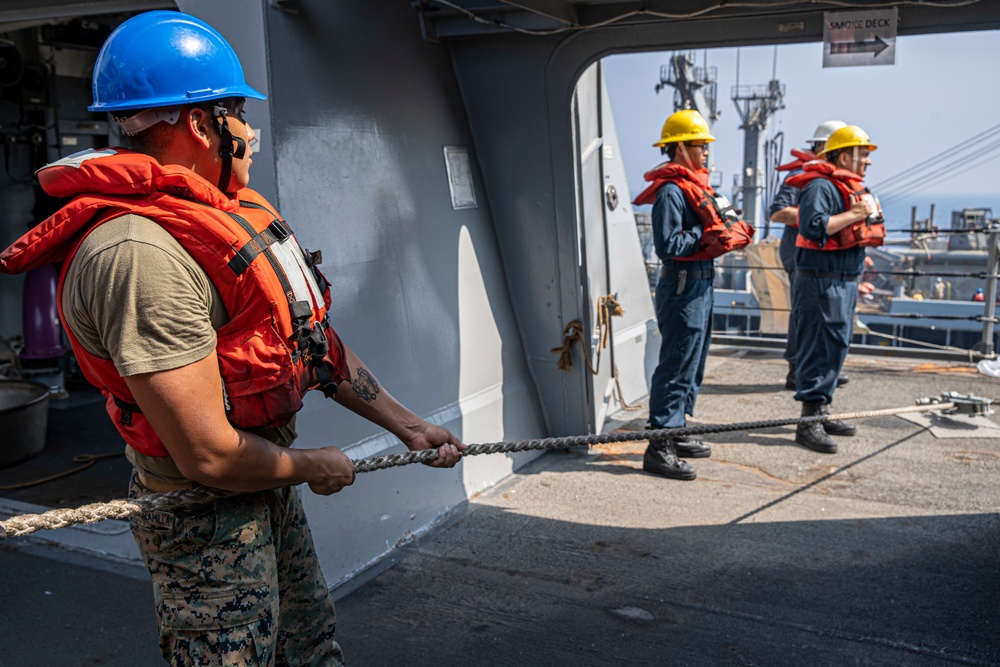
{"x":42,"y":332}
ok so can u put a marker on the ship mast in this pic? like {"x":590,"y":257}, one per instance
{"x":755,"y":105}
{"x":694,"y":88}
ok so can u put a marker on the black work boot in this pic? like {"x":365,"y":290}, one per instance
{"x":835,"y":427}
{"x":661,"y":459}
{"x":688,"y":447}
{"x":790,"y":378}
{"x":812,"y":436}
{"x":842,"y":380}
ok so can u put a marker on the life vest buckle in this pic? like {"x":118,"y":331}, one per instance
{"x":280,"y":230}
{"x":301,"y":311}
{"x":313,"y":258}
{"x":128,"y":410}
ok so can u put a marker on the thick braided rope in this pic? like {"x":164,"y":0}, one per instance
{"x":123,"y":509}
{"x":423,"y":456}
{"x":114,"y":509}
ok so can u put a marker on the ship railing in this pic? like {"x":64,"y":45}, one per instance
{"x":749,"y":316}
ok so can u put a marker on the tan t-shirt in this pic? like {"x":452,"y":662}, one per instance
{"x":135,"y":296}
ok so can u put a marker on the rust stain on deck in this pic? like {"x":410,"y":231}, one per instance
{"x":621,"y":452}
{"x":968,"y":456}
{"x":943,"y":370}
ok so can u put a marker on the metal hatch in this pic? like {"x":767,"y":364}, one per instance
{"x":588,"y":147}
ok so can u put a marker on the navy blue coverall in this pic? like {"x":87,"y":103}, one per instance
{"x":787,"y":196}
{"x":684,"y":297}
{"x":823,"y":297}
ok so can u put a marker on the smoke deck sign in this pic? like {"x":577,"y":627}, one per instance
{"x":859,"y":38}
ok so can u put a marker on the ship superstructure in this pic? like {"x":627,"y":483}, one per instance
{"x":458,"y":163}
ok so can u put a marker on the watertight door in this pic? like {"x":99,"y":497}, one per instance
{"x":593,"y":244}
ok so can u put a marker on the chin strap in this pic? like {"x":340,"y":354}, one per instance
{"x":685,"y":155}
{"x":220,"y":116}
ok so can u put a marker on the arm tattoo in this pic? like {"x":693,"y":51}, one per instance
{"x":365,"y":386}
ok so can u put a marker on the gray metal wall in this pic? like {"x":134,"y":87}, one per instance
{"x":360,"y":110}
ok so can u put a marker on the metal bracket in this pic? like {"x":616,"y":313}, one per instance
{"x":965,"y":404}
{"x":428,"y":29}
{"x":611,"y":194}
{"x":288,"y":6}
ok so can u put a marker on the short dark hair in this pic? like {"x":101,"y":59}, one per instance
{"x":157,"y":135}
{"x":149,"y":139}
{"x":670,"y":150}
{"x":154,"y":136}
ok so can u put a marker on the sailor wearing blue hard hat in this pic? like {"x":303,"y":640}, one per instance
{"x":190,"y":304}
{"x":156,"y":63}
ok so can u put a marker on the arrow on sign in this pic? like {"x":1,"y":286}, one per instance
{"x":876,"y":47}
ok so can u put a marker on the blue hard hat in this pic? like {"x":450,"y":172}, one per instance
{"x":164,"y":58}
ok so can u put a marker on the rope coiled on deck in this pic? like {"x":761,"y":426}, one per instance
{"x":124,"y":509}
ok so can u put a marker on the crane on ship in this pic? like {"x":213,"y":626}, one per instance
{"x":756,"y":105}
{"x":694,"y":88}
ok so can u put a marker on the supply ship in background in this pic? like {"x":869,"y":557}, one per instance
{"x":458,"y":164}
{"x":919,"y":293}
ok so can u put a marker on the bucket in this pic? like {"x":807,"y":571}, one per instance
{"x":24,"y":414}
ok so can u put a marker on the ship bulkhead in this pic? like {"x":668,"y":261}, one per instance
{"x":465,"y":185}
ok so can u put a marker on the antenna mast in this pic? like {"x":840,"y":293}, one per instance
{"x":694,"y":87}
{"x":755,"y":105}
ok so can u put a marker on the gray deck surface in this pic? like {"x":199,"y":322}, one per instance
{"x":883,"y":554}
{"x":76,"y":425}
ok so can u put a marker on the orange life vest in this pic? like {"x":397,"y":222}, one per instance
{"x":278,"y":343}
{"x":801,"y":157}
{"x":722,"y":229}
{"x":864,"y":233}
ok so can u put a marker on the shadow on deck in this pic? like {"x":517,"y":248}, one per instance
{"x":882,"y":554}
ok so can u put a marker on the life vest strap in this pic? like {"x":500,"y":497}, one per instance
{"x":301,"y":311}
{"x":276,"y":232}
{"x":311,"y":344}
{"x":724,"y":211}
{"x":128,"y":409}
{"x":326,"y":382}
{"x":266,"y":250}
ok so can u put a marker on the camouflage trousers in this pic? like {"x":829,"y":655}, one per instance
{"x":237,"y":582}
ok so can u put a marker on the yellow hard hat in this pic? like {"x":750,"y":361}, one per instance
{"x":685,"y":125}
{"x":848,"y":137}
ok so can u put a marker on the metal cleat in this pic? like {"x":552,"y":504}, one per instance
{"x":965,"y":404}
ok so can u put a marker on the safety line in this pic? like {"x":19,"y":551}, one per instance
{"x":983,"y":275}
{"x":750,"y":309}
{"x":26,"y":524}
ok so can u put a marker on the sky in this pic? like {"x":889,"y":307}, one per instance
{"x":942,"y":90}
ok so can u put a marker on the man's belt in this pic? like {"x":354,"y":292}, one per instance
{"x":829,"y":275}
{"x":692,"y":274}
